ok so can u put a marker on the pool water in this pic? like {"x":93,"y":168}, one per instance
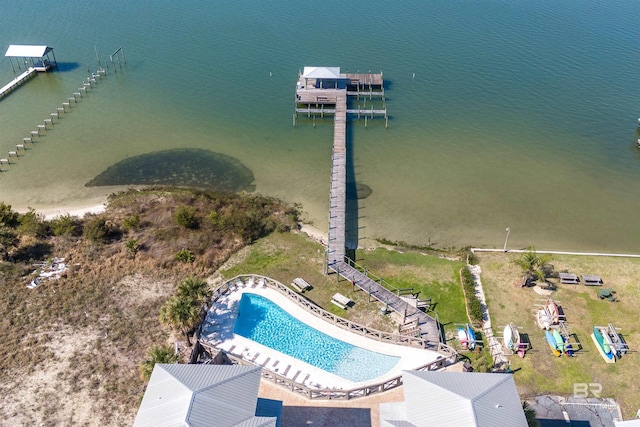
{"x":264,"y":322}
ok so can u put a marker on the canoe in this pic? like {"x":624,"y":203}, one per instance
{"x":552,"y":343}
{"x":508,"y":340}
{"x":606,"y":350}
{"x":462,"y":336}
{"x":559,"y":340}
{"x":472,"y":338}
{"x":553,"y":311}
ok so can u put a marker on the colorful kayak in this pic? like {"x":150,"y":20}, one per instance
{"x":471,"y":336}
{"x":606,"y":349}
{"x":559,"y":340}
{"x":552,"y":343}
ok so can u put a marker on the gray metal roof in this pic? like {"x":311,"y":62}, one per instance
{"x":27,"y":51}
{"x":321,"y":72}
{"x":202,"y":395}
{"x":457,"y":398}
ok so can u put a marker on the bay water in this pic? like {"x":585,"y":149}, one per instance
{"x":503,"y":114}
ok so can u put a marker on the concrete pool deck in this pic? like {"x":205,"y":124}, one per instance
{"x":217,"y":330}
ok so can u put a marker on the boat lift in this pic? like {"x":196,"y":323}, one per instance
{"x":614,"y":339}
{"x":563,"y":330}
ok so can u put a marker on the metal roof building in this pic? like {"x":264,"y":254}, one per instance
{"x":206,"y":395}
{"x":455,"y":399}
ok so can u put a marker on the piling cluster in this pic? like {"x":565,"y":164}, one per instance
{"x":55,"y":117}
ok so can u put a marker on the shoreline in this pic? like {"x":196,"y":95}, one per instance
{"x":73,"y":210}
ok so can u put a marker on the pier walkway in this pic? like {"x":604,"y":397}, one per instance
{"x":9,"y":87}
{"x":332,"y":91}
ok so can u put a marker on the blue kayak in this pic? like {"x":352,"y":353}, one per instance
{"x":471,"y":337}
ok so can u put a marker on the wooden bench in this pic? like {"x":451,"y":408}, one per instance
{"x":591,"y":280}
{"x":300,"y":284}
{"x":341,"y":301}
{"x":568,"y":278}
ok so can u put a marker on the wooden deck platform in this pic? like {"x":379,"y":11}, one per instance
{"x":9,"y":87}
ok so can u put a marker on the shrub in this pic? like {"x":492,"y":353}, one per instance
{"x":8,"y":217}
{"x":185,"y":255}
{"x":473,"y":303}
{"x":32,"y":223}
{"x":185,"y":216}
{"x":96,"y":229}
{"x":133,"y":246}
{"x":131,"y":223}
{"x":65,"y":225}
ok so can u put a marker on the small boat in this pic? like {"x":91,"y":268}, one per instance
{"x":471,"y":336}
{"x":542,"y":318}
{"x":552,"y":343}
{"x":462,"y":337}
{"x":559,"y":340}
{"x":553,"y":311}
{"x":603,"y":346}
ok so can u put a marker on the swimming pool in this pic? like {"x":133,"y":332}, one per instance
{"x":264,"y":322}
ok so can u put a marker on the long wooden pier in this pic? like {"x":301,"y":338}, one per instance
{"x":9,"y":87}
{"x":312,"y":95}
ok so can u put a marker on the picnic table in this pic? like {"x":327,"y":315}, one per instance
{"x":590,"y":280}
{"x":568,"y":278}
{"x":606,"y":293}
{"x":341,"y":301}
{"x":300,"y":285}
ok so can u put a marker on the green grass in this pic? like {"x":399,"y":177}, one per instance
{"x":434,"y":277}
{"x":539,"y":372}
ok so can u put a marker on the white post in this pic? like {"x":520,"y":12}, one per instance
{"x":508,"y":230}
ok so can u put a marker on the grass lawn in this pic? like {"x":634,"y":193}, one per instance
{"x":540,"y":372}
{"x":286,"y":256}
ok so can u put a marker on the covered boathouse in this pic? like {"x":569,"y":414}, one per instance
{"x":28,"y":60}
{"x":27,"y":56}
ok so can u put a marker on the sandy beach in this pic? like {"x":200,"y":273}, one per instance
{"x":76,"y":210}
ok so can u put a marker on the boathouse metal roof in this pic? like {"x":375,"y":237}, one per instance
{"x":455,"y":398}
{"x":27,"y":51}
{"x":321,"y":73}
{"x":202,"y":395}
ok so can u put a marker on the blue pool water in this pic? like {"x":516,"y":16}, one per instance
{"x":262,"y":321}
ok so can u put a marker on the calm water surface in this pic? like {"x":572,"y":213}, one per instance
{"x":520,"y":114}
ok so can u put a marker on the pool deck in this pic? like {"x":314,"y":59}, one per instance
{"x":218,"y":326}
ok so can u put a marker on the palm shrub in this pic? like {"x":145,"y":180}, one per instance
{"x":157,"y":354}
{"x":533,"y":265}
{"x":193,"y":289}
{"x":180,"y":314}
{"x":185,"y":255}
